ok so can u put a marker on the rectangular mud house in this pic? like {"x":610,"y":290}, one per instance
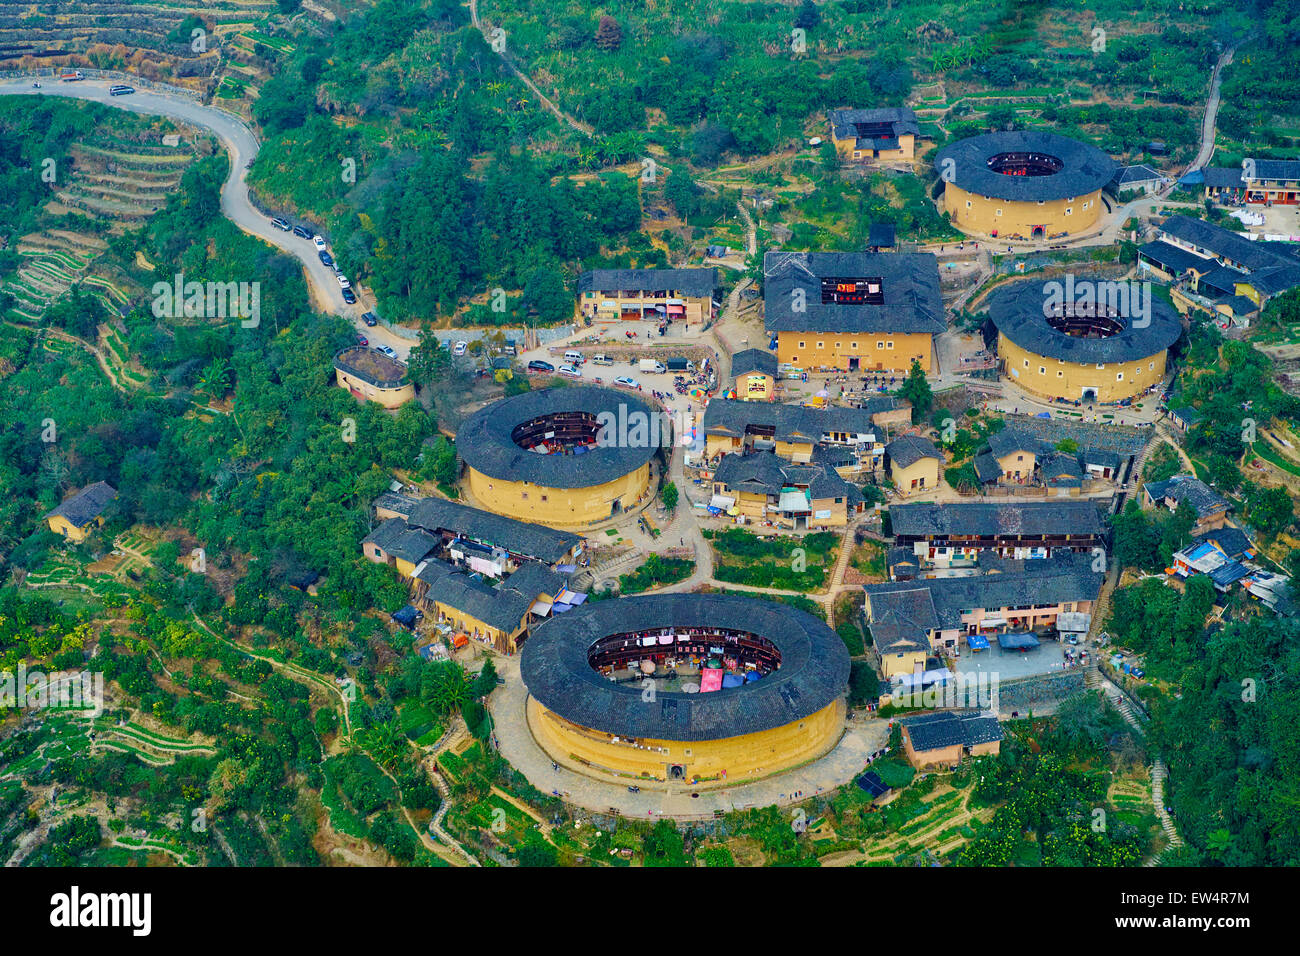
{"x":762,"y":487}
{"x":882,"y":135}
{"x":80,"y":514}
{"x":953,"y":535}
{"x":853,"y":311}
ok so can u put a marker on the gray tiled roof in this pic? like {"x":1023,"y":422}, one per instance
{"x":1086,"y":168}
{"x":696,"y":283}
{"x":1127,"y":175}
{"x":1192,"y":490}
{"x":753,"y":360}
{"x":764,"y":473}
{"x":1002,"y":519}
{"x":907,"y":450}
{"x":1223,"y":177}
{"x":86,"y":505}
{"x":1043,"y":582}
{"x":1233,"y":541}
{"x":484,"y":439}
{"x":1174,"y":259}
{"x":935,"y":731}
{"x":1017,"y":311}
{"x":903,"y":120}
{"x":517,"y":537}
{"x":910,"y":286}
{"x":1226,"y":244}
{"x":814,"y":668}
{"x":792,"y":422}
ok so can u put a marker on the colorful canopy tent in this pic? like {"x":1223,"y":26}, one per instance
{"x":977,"y":642}
{"x":710,"y":679}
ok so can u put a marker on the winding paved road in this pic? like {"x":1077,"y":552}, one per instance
{"x":242,"y":145}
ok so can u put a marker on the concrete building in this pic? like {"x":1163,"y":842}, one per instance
{"x":655,"y":295}
{"x":1026,"y":184}
{"x":743,"y":688}
{"x":852,"y":311}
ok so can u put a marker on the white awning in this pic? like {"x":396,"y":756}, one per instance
{"x":721,"y":502}
{"x":541,"y":608}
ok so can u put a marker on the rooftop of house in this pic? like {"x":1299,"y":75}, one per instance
{"x":1044,"y":582}
{"x":1009,"y":519}
{"x":753,"y":360}
{"x":848,"y":122}
{"x":485,"y":439}
{"x":86,"y":505}
{"x":938,"y":730}
{"x":764,"y":473}
{"x":911,"y":301}
{"x":695,"y":283}
{"x":793,"y":423}
{"x":517,"y":537}
{"x":1019,"y":311}
{"x":907,"y":450}
{"x":1187,"y":488}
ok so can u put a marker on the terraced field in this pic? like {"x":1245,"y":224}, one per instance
{"x":154,"y":39}
{"x":110,"y":187}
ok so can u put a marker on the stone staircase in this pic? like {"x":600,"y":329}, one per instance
{"x":1159,"y":772}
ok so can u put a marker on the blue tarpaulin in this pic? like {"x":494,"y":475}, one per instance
{"x":406,"y":616}
{"x":977,"y":642}
{"x":732,"y":680}
{"x":1017,"y":642}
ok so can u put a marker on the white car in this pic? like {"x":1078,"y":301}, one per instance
{"x":318,"y":242}
{"x":388,"y":350}
{"x":460,"y":348}
{"x":343,"y":282}
{"x":570,"y":371}
{"x":626,"y":381}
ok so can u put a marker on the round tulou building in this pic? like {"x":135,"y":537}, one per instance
{"x":542,"y":457}
{"x":1088,"y":340}
{"x":1026,"y":184}
{"x":698,"y":688}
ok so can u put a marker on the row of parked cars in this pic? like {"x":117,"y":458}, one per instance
{"x":322,"y":250}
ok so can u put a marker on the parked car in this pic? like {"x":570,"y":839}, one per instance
{"x":120,"y":90}
{"x":326,"y":258}
{"x":537,"y":365}
{"x":362,"y":340}
{"x":281,"y":224}
{"x":626,"y":381}
{"x":370,"y":318}
{"x":302,"y":232}
{"x":318,"y":242}
{"x":570,"y":371}
{"x":460,"y":347}
{"x":343,"y":281}
{"x":388,"y":350}
{"x":349,"y":296}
